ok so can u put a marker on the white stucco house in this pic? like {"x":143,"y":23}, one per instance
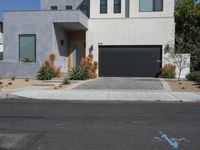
{"x":126,"y":37}
{"x":1,"y":40}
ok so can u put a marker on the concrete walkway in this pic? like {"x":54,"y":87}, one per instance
{"x":107,"y":95}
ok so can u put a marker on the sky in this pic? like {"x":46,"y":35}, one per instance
{"x":6,"y":5}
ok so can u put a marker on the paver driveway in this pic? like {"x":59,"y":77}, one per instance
{"x":123,"y":83}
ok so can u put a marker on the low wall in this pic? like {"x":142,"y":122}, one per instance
{"x":18,"y":69}
{"x":185,"y":70}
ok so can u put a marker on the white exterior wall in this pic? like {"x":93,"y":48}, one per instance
{"x":149,"y":31}
{"x":140,"y":28}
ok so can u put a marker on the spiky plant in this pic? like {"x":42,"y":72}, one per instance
{"x":78,"y":73}
{"x":45,"y":74}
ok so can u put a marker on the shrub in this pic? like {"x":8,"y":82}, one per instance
{"x":168,"y":71}
{"x":78,"y":74}
{"x":57,"y":71}
{"x":91,"y":67}
{"x":194,"y":76}
{"x":47,"y":68}
{"x":45,"y":73}
{"x":47,"y":63}
{"x":52,"y":57}
{"x":66,"y":81}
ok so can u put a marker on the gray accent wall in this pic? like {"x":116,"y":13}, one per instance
{"x":48,"y":36}
{"x":19,"y":70}
{"x":60,"y":46}
{"x":46,"y":4}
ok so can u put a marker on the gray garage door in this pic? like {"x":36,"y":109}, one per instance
{"x":129,"y":61}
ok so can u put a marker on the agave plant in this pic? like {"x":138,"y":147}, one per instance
{"x":45,"y":74}
{"x":78,"y":73}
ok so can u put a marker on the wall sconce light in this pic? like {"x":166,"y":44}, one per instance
{"x":166,"y":49}
{"x":91,"y":48}
{"x":62,"y":42}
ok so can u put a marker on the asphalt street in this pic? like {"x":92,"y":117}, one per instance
{"x":61,"y":125}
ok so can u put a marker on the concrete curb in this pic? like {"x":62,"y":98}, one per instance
{"x":106,"y":96}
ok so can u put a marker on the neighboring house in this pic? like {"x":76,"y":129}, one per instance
{"x":126,"y":37}
{"x":1,"y":40}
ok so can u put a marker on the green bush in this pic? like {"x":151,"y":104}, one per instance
{"x":168,"y":71}
{"x":198,"y":79}
{"x":169,"y":74}
{"x":194,"y":76}
{"x":45,"y":74}
{"x":66,"y":81}
{"x":78,"y":74}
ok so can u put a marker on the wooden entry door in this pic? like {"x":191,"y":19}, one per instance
{"x":76,"y":48}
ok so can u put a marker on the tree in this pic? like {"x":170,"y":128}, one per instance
{"x":187,"y":17}
{"x":176,"y":56}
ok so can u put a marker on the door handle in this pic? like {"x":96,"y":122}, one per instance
{"x":158,"y":61}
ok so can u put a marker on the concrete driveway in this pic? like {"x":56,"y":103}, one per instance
{"x":125,"y":83}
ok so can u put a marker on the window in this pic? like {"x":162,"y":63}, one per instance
{"x":117,"y":6}
{"x":27,"y":47}
{"x":103,"y":6}
{"x":54,"y":7}
{"x":151,"y":5}
{"x":85,"y":7}
{"x":68,"y":7}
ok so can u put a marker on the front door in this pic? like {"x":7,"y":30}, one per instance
{"x":76,"y":49}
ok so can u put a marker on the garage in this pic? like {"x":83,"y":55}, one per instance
{"x":130,"y":61}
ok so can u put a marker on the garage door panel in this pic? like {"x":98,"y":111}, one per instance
{"x":131,"y":61}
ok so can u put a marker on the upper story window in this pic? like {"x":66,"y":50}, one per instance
{"x":54,"y":7}
{"x":117,"y":6}
{"x":151,"y":5}
{"x":85,"y":7}
{"x":103,"y":6}
{"x":68,"y":7}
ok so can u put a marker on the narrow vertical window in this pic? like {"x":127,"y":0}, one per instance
{"x":68,"y":7}
{"x":103,"y":6}
{"x":158,"y":5}
{"x":27,"y":48}
{"x":117,"y":6}
{"x":54,"y":7}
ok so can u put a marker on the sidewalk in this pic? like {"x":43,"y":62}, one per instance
{"x":106,"y":95}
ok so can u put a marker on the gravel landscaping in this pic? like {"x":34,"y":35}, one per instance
{"x":183,"y":85}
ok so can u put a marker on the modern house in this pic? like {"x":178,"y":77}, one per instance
{"x":126,"y":37}
{"x":1,"y":40}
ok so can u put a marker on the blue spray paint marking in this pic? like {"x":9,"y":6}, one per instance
{"x":173,"y":142}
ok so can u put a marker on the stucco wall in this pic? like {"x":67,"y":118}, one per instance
{"x":186,"y":62}
{"x":40,"y":23}
{"x":137,"y":31}
{"x":18,"y":70}
{"x":59,"y":49}
{"x":168,"y":10}
{"x":151,"y":31}
{"x":95,"y":10}
{"x":46,"y":4}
